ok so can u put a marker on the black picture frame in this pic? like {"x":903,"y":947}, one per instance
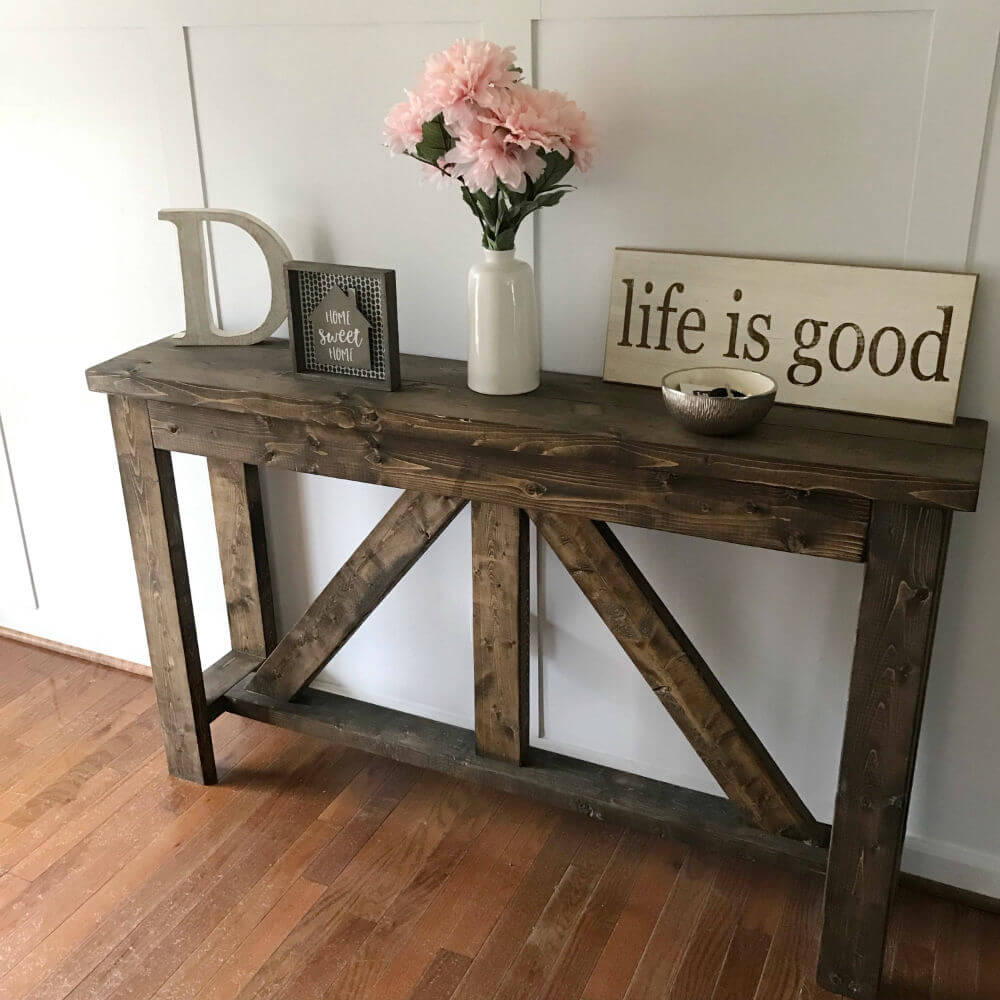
{"x":375,"y":288}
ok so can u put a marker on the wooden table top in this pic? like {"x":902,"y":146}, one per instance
{"x":580,"y":416}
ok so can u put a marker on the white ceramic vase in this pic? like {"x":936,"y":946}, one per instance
{"x":503,"y":325}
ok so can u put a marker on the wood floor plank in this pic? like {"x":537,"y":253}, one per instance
{"x":108,"y":691}
{"x":70,"y":739}
{"x":164,"y":938}
{"x":399,"y":920}
{"x":11,"y":886}
{"x":956,"y":952}
{"x":43,"y":696}
{"x":23,"y":670}
{"x":116,"y":736}
{"x":81,"y":785}
{"x":90,"y":933}
{"x":441,"y":977}
{"x":536,"y":963}
{"x":657,"y":873}
{"x":131,"y":885}
{"x":331,"y":979}
{"x":769,"y":891}
{"x":909,"y":972}
{"x":989,"y":956}
{"x":468,"y":883}
{"x":512,"y":929}
{"x":578,"y":958}
{"x":670,"y":937}
{"x":478,"y":912}
{"x":260,"y":944}
{"x":356,"y":832}
{"x":388,"y":859}
{"x":217,"y":949}
{"x":349,"y":801}
{"x":67,"y":884}
{"x":701,"y":967}
{"x":231,"y":743}
{"x":792,"y":957}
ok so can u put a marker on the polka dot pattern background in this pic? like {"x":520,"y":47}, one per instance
{"x":313,"y":285}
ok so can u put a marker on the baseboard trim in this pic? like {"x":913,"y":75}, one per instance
{"x":52,"y":646}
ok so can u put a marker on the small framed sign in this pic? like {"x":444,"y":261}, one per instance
{"x":872,"y":340}
{"x":342,"y":322}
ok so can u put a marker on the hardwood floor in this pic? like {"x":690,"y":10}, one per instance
{"x":316,"y":872}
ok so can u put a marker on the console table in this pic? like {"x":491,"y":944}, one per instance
{"x":573,"y":456}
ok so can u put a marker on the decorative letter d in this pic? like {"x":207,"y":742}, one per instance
{"x":200,"y":325}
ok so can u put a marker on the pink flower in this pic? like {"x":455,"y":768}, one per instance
{"x":467,"y":71}
{"x":482,"y":156}
{"x":580,"y":135}
{"x":404,"y":124}
{"x":542,"y":118}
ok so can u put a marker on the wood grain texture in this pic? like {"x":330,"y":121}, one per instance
{"x":500,"y":623}
{"x":411,"y":524}
{"x":596,"y":791}
{"x":246,"y":575}
{"x":594,"y":424}
{"x":563,"y":472}
{"x":892,"y":654}
{"x":161,"y":568}
{"x":678,"y":675}
{"x":173,"y":891}
{"x":223,"y":674}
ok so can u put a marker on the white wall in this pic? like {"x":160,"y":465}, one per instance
{"x":830,"y":131}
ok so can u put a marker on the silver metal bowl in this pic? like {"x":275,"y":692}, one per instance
{"x":718,"y":414}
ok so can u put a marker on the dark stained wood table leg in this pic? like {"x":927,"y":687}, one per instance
{"x":246,"y":576}
{"x":158,"y":547}
{"x":500,"y":627}
{"x":907,"y":545}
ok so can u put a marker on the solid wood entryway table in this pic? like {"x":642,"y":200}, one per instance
{"x":573,"y":456}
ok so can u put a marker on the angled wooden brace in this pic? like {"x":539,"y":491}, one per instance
{"x":383,"y":558}
{"x":680,"y":678}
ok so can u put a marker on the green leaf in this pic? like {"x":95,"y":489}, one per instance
{"x":541,"y":200}
{"x":487,"y":208}
{"x":504,"y":240}
{"x":471,"y":202}
{"x":557,"y":167}
{"x":436,"y":140}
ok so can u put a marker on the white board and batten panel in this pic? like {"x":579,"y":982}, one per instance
{"x":882,"y":341}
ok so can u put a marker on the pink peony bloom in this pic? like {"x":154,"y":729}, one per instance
{"x":580,"y":135}
{"x":404,"y":124}
{"x":542,"y":118}
{"x":467,"y":71}
{"x":482,"y":156}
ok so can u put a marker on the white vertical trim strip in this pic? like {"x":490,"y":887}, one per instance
{"x":961,"y":63}
{"x":182,"y":154}
{"x":18,"y":566}
{"x":169,"y":66}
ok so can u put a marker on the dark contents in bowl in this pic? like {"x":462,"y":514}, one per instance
{"x":722,"y":392}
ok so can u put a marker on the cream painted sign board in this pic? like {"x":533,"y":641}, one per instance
{"x":870,"y":340}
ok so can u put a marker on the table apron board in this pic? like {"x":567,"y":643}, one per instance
{"x":574,"y":484}
{"x":629,"y":488}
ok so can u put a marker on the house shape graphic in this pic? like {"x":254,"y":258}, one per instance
{"x":341,"y":334}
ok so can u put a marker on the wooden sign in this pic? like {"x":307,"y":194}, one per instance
{"x":870,"y":340}
{"x":342,"y":322}
{"x":341,"y":331}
